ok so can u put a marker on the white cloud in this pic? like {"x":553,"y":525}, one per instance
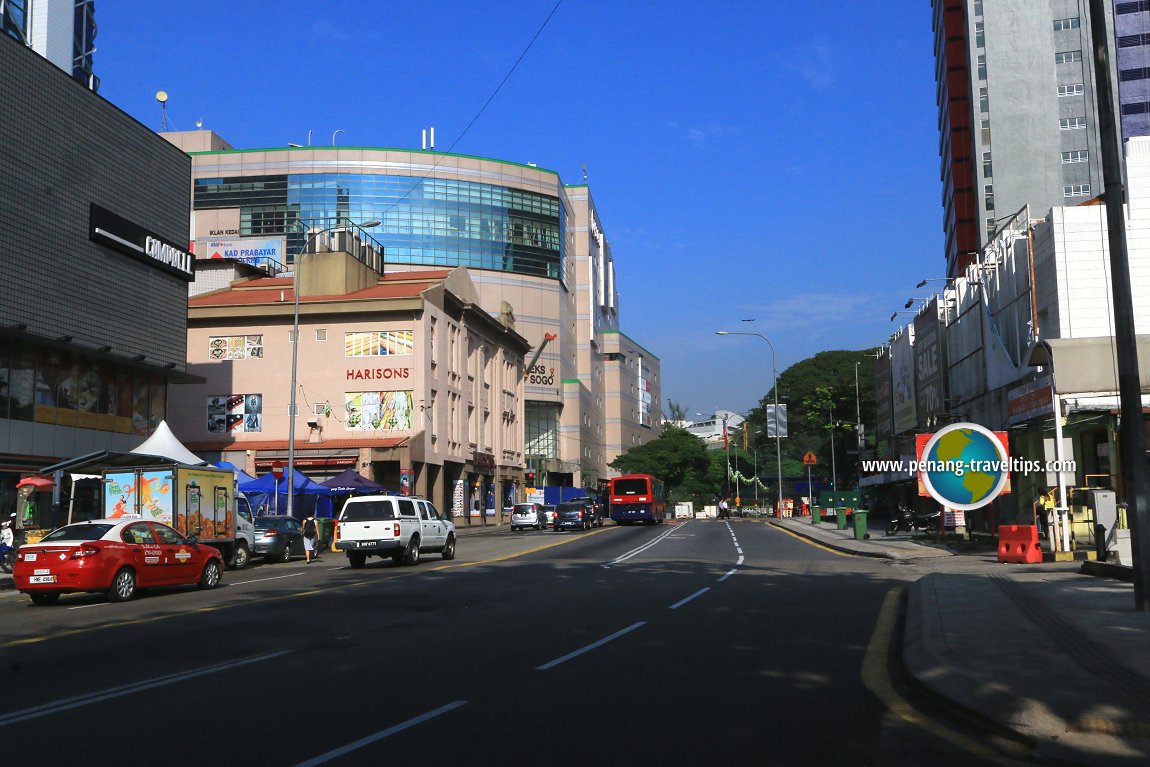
{"x":816,"y":65}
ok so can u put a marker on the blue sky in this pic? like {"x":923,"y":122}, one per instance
{"x":766,"y":160}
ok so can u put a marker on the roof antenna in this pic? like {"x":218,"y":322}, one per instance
{"x":162,"y":97}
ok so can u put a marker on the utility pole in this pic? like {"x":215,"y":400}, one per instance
{"x":1131,"y":432}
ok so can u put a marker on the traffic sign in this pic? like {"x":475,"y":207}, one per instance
{"x":810,"y":459}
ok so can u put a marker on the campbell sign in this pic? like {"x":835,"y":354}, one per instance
{"x":131,"y":239}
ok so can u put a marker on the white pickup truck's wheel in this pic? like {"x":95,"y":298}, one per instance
{"x":449,"y":548}
{"x":356,"y":559}
{"x":411,"y":553}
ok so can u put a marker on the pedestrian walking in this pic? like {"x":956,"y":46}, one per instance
{"x":724,"y":510}
{"x":310,"y":536}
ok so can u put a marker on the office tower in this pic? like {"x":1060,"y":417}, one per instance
{"x":62,"y":31}
{"x":1018,"y":114}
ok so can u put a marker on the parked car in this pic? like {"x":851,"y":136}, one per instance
{"x":594,"y":509}
{"x":573,"y":515}
{"x":525,"y":515}
{"x":278,"y":538}
{"x":549,"y":513}
{"x":115,"y":556}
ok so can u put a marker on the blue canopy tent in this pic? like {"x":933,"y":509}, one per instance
{"x":351,"y":482}
{"x":267,"y":496}
{"x":241,"y":475}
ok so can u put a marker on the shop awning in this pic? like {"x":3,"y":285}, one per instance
{"x":1087,"y":365}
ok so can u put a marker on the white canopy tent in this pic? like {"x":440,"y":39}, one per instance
{"x":164,"y":443}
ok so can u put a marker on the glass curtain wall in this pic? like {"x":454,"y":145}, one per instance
{"x":438,"y":222}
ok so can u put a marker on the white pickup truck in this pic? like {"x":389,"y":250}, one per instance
{"x":392,"y":526}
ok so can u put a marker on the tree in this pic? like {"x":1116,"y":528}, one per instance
{"x":677,"y":457}
{"x":676,"y":411}
{"x":820,"y":396}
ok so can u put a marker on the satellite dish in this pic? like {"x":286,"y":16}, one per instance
{"x":199,"y":123}
{"x":162,"y":96}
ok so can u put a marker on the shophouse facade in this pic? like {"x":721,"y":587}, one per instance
{"x":401,"y":377}
{"x":1023,"y":342}
{"x":535,"y":250}
{"x":94,"y":274}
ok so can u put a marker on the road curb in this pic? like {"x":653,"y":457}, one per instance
{"x":832,"y":544}
{"x":929,"y":670}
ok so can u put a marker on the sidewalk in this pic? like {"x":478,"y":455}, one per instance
{"x":1058,"y":658}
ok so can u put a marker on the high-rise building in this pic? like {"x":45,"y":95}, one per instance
{"x":62,"y":31}
{"x":535,"y":248}
{"x":1018,"y":108}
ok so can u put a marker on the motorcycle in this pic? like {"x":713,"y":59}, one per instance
{"x":910,"y":520}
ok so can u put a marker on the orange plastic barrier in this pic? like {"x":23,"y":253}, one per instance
{"x":1018,"y":544}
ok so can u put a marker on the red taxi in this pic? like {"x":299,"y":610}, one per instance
{"x":115,"y":556}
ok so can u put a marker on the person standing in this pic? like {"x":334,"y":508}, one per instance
{"x":1046,"y":505}
{"x":724,"y":510}
{"x":310,"y":536}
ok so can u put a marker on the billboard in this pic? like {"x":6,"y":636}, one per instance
{"x":902,"y":380}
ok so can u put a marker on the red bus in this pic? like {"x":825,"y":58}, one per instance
{"x":637,"y":498}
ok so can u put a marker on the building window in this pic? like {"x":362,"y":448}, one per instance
{"x":378,"y":411}
{"x":988,"y":196}
{"x":991,"y":227}
{"x":1140,"y":73}
{"x":1071,"y":123}
{"x":1070,"y":90}
{"x":982,"y":66}
{"x":321,"y":334}
{"x":232,"y":413}
{"x":987,"y":170}
{"x":1136,"y":108}
{"x":985,"y":127}
{"x":1061,"y":25}
{"x":1076,"y":190}
{"x":321,"y":408}
{"x":235,"y":347}
{"x":979,"y":35}
{"x":1139,"y":6}
{"x":384,"y":343}
{"x":983,"y":101}
{"x":1077,"y":155}
{"x":1068,"y":57}
{"x":1132,"y":41}
{"x":977,"y":7}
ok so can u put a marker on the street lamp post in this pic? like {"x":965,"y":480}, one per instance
{"x":775,"y":386}
{"x":296,"y":267}
{"x":755,"y":452}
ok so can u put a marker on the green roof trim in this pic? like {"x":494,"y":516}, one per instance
{"x":572,"y":380}
{"x":377,"y":149}
{"x":574,"y":186}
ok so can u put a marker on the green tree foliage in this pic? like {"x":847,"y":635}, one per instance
{"x":677,"y":457}
{"x":820,"y":396}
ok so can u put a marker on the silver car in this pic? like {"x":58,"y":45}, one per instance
{"x":525,"y":515}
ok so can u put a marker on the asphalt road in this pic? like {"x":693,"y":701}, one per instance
{"x":709,"y":642}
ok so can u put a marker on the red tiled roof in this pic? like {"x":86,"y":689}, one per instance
{"x":275,"y":290}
